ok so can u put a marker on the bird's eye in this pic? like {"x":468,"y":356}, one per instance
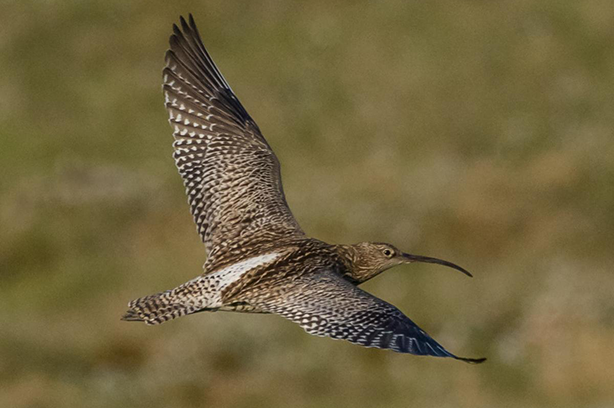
{"x":387,"y":252}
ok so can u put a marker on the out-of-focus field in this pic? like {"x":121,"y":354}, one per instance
{"x":475,"y":131}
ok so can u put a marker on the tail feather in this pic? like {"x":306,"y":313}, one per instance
{"x":196,"y":295}
{"x":132,"y":316}
{"x":160,"y":307}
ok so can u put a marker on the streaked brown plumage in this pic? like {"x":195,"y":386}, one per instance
{"x":259,"y":260}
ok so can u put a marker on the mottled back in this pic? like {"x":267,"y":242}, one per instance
{"x":232,"y":176}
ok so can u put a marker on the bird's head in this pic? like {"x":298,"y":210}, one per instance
{"x":369,"y":259}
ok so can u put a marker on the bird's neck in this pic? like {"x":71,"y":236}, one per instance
{"x":347,"y":255}
{"x":353,"y":264}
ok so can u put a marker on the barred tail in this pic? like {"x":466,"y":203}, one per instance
{"x":191,"y":297}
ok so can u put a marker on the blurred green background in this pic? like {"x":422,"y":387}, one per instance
{"x":476,"y":131}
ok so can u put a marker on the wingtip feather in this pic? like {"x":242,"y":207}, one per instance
{"x":184,"y":24}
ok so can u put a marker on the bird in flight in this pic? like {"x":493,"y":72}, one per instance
{"x":259,"y":259}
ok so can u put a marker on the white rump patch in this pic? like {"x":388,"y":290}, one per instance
{"x":218,"y":281}
{"x":233,"y":273}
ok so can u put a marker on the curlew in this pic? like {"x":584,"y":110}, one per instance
{"x":259,"y":259}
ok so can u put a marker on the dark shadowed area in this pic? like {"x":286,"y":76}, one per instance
{"x":474,"y":131}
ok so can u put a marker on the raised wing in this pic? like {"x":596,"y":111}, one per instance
{"x":232,"y":176}
{"x":325,"y":304}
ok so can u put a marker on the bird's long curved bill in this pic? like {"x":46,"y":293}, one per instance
{"x":427,"y":259}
